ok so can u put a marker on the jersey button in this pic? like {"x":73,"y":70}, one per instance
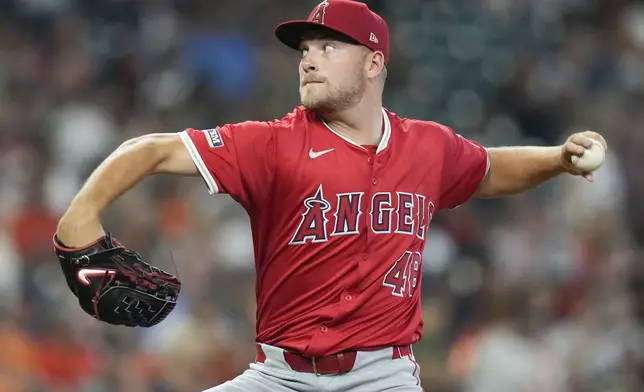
{"x":348,"y":297}
{"x":374,"y":181}
{"x":323,"y":328}
{"x":364,"y":256}
{"x":369,"y":160}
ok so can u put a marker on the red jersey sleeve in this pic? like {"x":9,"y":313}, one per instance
{"x":466,"y":165}
{"x":236,"y":159}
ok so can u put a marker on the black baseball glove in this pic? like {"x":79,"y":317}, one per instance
{"x":114,"y":285}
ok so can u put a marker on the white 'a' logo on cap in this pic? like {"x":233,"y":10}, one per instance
{"x":318,"y":16}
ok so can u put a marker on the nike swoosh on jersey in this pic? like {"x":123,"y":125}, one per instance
{"x":84,"y":274}
{"x":313,"y":154}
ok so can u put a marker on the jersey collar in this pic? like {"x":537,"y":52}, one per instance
{"x":386,"y":134}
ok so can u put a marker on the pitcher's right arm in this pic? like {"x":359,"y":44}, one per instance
{"x":120,"y":171}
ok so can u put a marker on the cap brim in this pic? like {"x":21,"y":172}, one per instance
{"x":290,"y":33}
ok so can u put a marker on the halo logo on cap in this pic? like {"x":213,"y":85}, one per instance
{"x":318,"y":16}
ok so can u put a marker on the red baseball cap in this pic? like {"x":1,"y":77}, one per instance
{"x":351,"y":18}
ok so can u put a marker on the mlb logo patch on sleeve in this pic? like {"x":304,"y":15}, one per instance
{"x":213,"y":137}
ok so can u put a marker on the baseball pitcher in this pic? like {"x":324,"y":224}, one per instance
{"x":340,"y":193}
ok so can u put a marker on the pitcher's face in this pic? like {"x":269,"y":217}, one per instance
{"x":332,"y":74}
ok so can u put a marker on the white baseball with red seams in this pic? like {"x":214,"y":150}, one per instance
{"x":592,"y":159}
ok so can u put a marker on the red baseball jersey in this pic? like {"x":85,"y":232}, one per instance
{"x":338,"y":228}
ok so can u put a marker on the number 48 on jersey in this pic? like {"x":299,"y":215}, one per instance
{"x":404,"y":274}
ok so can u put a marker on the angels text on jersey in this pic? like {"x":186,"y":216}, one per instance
{"x":389,"y":213}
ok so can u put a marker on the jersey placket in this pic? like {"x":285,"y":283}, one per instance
{"x":358,"y":155}
{"x":376,"y":158}
{"x":350,"y":292}
{"x":377,"y":162}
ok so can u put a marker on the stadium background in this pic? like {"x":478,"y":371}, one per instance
{"x":532,"y":293}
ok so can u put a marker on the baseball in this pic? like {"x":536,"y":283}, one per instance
{"x":592,"y":158}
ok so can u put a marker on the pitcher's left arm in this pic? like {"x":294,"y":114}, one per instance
{"x":515,"y":170}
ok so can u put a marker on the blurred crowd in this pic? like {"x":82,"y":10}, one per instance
{"x":542,"y":292}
